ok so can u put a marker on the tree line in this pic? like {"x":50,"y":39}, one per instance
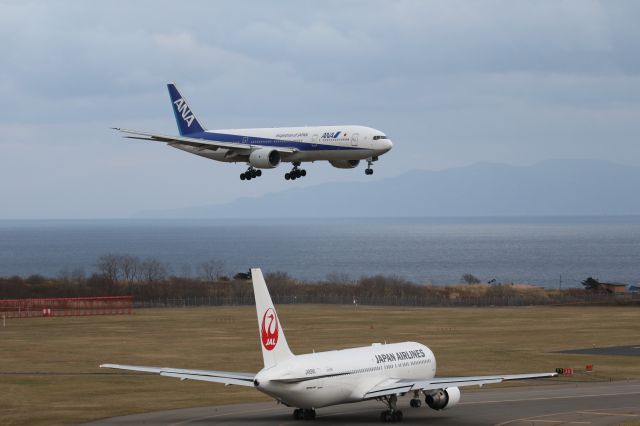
{"x":152,"y":282}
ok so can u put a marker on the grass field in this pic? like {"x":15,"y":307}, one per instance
{"x":58,"y":381}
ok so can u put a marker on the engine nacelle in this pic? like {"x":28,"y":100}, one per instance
{"x":264,"y":158}
{"x":345,"y":164}
{"x":443,"y":398}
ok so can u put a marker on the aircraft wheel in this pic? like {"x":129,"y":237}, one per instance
{"x":309,"y":414}
{"x":258,"y":173}
{"x":242,"y":176}
{"x":287,"y":176}
{"x":298,"y":414}
{"x":303,"y":172}
{"x":397,"y":416}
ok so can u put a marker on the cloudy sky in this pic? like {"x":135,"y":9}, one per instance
{"x":452,"y":83}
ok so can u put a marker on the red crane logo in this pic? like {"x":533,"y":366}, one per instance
{"x":269,"y":329}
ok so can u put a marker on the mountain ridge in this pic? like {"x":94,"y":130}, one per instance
{"x":548,"y":188}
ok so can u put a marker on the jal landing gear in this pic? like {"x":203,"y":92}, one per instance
{"x":295,"y":173}
{"x":391,"y":414}
{"x":251,"y":173}
{"x":304,"y":414}
{"x":369,"y":171}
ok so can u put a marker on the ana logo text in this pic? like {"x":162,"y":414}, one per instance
{"x":183,"y":109}
{"x":269,"y":329}
{"x":331,"y":135}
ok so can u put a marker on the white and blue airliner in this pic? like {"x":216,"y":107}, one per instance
{"x":265,"y":148}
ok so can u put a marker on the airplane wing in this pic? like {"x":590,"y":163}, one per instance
{"x":197,"y":142}
{"x":226,"y":377}
{"x":402,"y":386}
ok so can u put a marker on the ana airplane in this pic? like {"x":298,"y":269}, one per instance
{"x":381,"y":371}
{"x":342,"y":146}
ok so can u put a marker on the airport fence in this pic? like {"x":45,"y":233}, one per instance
{"x":409,"y":301}
{"x":64,"y":307}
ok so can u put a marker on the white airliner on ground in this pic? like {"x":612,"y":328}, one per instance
{"x":266,"y":148}
{"x":380,"y":371}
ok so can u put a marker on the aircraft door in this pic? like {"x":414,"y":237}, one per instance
{"x":354,"y":139}
{"x":314,"y":141}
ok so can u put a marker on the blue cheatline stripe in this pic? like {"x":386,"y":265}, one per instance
{"x":280,"y":143}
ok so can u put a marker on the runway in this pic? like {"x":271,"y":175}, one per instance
{"x":601,"y":403}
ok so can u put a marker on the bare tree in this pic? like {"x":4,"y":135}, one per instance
{"x":108,"y":265}
{"x":211,"y":270}
{"x":152,"y":270}
{"x":129,"y":266}
{"x":471,"y":279}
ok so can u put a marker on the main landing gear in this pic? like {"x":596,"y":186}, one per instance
{"x":304,"y":414}
{"x":251,"y":173}
{"x":295,"y":173}
{"x":391,"y":414}
{"x":415,"y":402}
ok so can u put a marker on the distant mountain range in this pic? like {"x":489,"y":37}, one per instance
{"x":549,"y":188}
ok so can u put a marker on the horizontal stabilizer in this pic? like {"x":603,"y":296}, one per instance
{"x":226,"y":377}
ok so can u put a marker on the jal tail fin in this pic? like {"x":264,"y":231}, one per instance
{"x":185,"y":118}
{"x":274,"y":345}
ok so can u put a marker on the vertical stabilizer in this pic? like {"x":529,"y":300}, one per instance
{"x":185,"y":118}
{"x":274,"y":345}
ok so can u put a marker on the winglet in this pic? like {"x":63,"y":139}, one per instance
{"x":274,"y":345}
{"x":185,"y":118}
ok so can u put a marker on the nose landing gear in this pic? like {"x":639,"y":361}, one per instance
{"x":369,"y":171}
{"x":251,"y":173}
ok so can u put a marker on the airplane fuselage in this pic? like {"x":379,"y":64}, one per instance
{"x":320,"y":143}
{"x":327,"y":378}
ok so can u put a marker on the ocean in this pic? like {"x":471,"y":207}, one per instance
{"x":550,"y":252}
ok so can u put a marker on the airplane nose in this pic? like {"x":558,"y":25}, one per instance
{"x":387,"y":145}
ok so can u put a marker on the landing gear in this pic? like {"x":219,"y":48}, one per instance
{"x":369,"y":171}
{"x":416,"y":402}
{"x":391,"y":414}
{"x":251,"y":173}
{"x":304,"y":414}
{"x":295,"y":173}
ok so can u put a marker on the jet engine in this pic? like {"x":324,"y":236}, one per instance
{"x":443,"y":398}
{"x":264,"y":158}
{"x":345,"y":164}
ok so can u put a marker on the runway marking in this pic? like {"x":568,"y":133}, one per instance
{"x":185,"y":422}
{"x":548,"y":398}
{"x":600,"y":413}
{"x":583,"y":412}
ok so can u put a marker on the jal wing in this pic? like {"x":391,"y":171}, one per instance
{"x":226,"y":377}
{"x":401,"y":386}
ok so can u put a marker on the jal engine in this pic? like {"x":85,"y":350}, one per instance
{"x":443,"y":398}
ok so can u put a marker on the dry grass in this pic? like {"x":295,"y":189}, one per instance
{"x":465,"y":340}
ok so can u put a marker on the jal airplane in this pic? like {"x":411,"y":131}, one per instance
{"x":342,"y":146}
{"x":382,"y":372}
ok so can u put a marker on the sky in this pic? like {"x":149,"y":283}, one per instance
{"x":451,"y":82}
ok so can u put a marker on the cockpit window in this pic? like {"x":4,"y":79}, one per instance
{"x":375,"y":138}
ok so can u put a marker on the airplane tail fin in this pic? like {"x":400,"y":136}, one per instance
{"x":185,"y":118}
{"x":274,"y":345}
